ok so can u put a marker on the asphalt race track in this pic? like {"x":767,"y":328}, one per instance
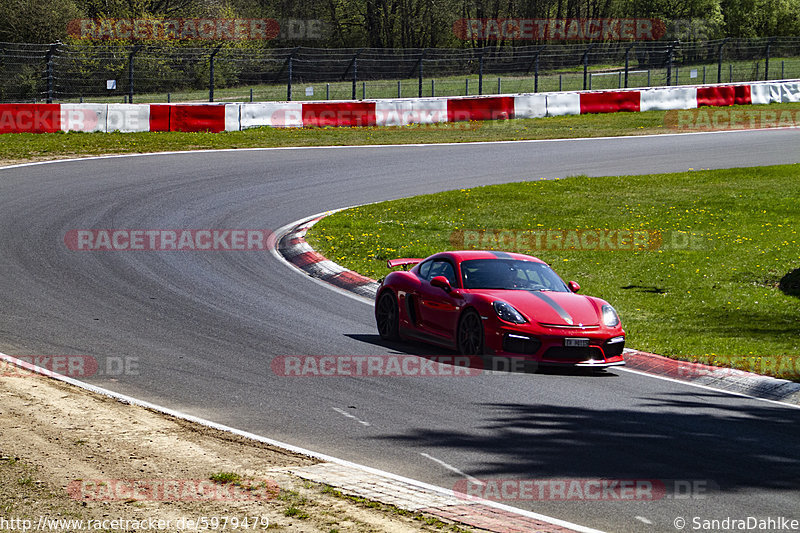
{"x":204,"y":326}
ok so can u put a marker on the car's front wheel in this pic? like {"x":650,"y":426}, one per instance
{"x":387,"y":317}
{"x":470,"y":333}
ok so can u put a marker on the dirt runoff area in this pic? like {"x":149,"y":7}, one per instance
{"x":69,"y":454}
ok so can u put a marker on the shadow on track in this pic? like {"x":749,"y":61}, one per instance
{"x":707,"y":436}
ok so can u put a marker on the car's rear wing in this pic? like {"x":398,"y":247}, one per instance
{"x":404,"y":262}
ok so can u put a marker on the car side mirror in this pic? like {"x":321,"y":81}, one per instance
{"x":573,"y":286}
{"x":442,"y":282}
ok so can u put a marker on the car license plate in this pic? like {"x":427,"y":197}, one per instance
{"x":576,"y":342}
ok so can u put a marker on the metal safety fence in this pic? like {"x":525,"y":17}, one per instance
{"x":159,"y":73}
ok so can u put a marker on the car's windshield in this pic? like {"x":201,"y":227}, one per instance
{"x":510,"y":274}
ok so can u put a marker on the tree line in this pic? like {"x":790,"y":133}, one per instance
{"x":407,"y":23}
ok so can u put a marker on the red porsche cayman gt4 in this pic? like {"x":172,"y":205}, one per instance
{"x":498,"y":303}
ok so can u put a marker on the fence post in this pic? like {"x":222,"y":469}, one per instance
{"x":211,"y":73}
{"x":355,"y":75}
{"x":49,"y":58}
{"x":130,"y":71}
{"x":627,"y":56}
{"x":536,"y":69}
{"x":766,"y":62}
{"x":719,"y":59}
{"x":289,"y":79}
{"x":480,"y":72}
{"x":419,"y":77}
{"x":670,"y":53}
{"x":586,"y":64}
{"x":288,"y":65}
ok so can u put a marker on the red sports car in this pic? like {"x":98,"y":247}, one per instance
{"x":498,"y":303}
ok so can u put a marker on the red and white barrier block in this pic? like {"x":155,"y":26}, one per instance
{"x":667,"y":98}
{"x":194,"y":117}
{"x":275,"y":114}
{"x":530,"y":106}
{"x":563,"y":104}
{"x":43,"y":118}
{"x":790,"y":92}
{"x":402,"y":112}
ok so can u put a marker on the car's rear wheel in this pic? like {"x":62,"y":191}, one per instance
{"x":470,"y":333}
{"x":387,"y":317}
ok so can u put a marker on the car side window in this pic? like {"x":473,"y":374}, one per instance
{"x":424,"y":269}
{"x":443,"y":268}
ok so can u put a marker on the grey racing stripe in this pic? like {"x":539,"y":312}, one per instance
{"x":501,"y":255}
{"x":557,"y":308}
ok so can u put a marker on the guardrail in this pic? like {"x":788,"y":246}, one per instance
{"x":42,"y":118}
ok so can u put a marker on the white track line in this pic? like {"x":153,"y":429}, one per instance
{"x":453,"y":469}
{"x":348,"y":415}
{"x":707,"y":387}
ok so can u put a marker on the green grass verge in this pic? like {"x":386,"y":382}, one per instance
{"x":30,"y":146}
{"x":709,"y":292}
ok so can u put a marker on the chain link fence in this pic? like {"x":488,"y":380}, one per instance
{"x":161,"y":73}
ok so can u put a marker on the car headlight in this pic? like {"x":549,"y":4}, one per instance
{"x":507,"y":312}
{"x":610,"y":316}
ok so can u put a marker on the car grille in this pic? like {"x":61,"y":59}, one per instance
{"x":568,"y":353}
{"x":520,"y":344}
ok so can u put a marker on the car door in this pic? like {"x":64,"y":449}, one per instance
{"x":439,"y":309}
